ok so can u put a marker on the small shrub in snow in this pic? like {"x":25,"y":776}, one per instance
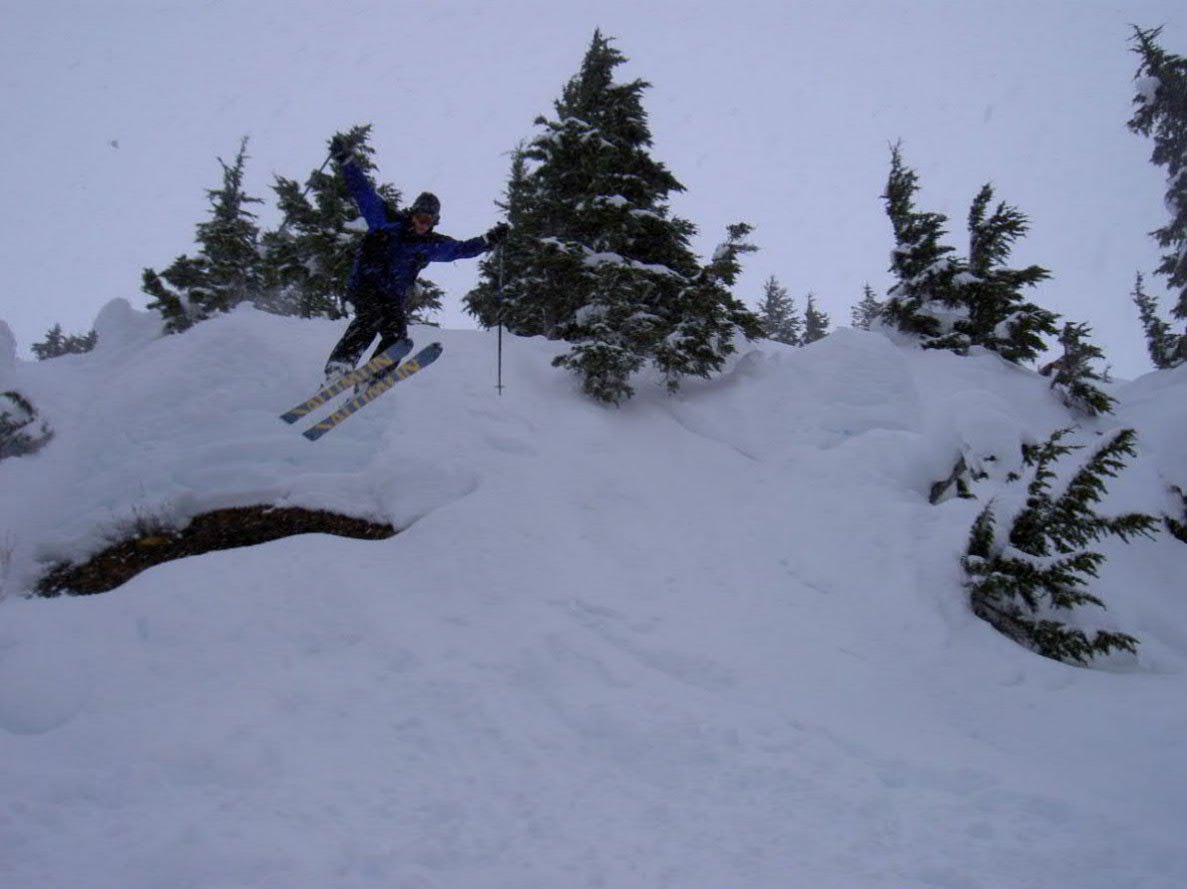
{"x":20,"y":433}
{"x":57,"y":343}
{"x":1028,"y":581}
{"x":1073,"y":375}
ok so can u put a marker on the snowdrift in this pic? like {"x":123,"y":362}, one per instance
{"x":711,"y":640}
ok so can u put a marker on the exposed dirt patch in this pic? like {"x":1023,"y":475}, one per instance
{"x":220,"y":529}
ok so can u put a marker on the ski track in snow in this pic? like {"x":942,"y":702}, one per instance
{"x":703,"y":641}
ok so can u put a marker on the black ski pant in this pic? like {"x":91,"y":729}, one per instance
{"x":374,"y":314}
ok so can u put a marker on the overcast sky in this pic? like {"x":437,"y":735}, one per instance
{"x":779,"y":114}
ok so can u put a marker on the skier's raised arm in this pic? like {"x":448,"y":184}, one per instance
{"x":370,"y":204}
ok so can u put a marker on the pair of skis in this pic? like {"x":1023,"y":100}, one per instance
{"x":379,"y":374}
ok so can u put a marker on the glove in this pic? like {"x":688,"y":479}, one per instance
{"x":341,"y":150}
{"x":497,"y":235}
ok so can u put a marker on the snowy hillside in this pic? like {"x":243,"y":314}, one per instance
{"x":711,"y":641}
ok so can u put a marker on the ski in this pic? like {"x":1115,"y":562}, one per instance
{"x":383,"y":382}
{"x":385,"y":360}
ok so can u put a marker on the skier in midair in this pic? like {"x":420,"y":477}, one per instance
{"x":397,"y":246}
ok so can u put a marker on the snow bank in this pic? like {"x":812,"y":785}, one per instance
{"x":711,"y":640}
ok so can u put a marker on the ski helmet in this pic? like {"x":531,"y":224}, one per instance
{"x":426,"y":203}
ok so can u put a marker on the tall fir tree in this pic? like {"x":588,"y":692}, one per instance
{"x":595,"y":256}
{"x":1161,"y":114}
{"x":816,"y":322}
{"x":309,"y":258}
{"x":866,"y":312}
{"x":955,"y":303}
{"x":1027,"y":580}
{"x":777,"y":314}
{"x":227,"y":269}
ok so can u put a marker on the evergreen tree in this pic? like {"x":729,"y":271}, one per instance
{"x":999,"y":318}
{"x":703,"y":319}
{"x":1166,"y":349}
{"x":57,"y":343}
{"x":815,"y":322}
{"x":1074,"y":376}
{"x":227,"y":269}
{"x":867,"y":311}
{"x":309,"y":259}
{"x":953,"y":303}
{"x":423,"y":299}
{"x":924,"y":297}
{"x":777,"y":314}
{"x":1023,"y":583}
{"x":1161,"y":114}
{"x":595,"y":256}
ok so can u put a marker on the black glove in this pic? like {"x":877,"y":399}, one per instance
{"x":497,"y":235}
{"x":341,"y":150}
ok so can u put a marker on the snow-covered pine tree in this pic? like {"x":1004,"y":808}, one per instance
{"x":595,"y":256}
{"x":924,"y":299}
{"x":58,"y":343}
{"x":777,"y":314}
{"x":1073,"y":374}
{"x":999,"y":318}
{"x":703,"y":319}
{"x":1161,"y":114}
{"x":1026,"y":582}
{"x":227,"y":269}
{"x":954,"y":303}
{"x":816,"y":322}
{"x":862,"y":315}
{"x":309,"y":258}
{"x":598,"y":214}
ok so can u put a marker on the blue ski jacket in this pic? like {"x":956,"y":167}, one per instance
{"x":393,"y":254}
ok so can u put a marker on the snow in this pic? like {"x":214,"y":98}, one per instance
{"x":711,"y":640}
{"x":1146,"y":88}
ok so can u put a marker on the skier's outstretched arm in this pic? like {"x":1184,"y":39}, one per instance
{"x":446,"y":249}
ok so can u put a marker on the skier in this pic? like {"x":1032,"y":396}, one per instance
{"x":397,"y":246}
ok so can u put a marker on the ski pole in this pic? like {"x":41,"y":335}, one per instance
{"x":499,"y":300}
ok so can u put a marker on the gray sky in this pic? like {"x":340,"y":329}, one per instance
{"x":779,"y":114}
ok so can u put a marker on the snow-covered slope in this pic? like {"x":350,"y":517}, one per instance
{"x":715,"y":640}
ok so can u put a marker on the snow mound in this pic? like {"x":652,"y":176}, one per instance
{"x":716,"y":639}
